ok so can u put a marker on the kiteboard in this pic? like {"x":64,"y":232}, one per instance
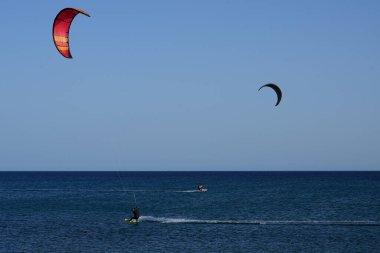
{"x":131,"y":221}
{"x":203,"y":190}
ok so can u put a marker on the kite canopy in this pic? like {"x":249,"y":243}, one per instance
{"x":276,"y":89}
{"x":61,"y":28}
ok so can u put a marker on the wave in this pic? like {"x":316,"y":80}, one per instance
{"x":258,"y":222}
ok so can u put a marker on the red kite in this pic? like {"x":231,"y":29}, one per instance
{"x":61,"y":28}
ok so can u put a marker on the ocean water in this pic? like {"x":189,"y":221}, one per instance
{"x":240,"y":212}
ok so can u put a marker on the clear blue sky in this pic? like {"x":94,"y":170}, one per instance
{"x":172,"y":85}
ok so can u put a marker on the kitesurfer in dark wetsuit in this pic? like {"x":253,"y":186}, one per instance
{"x":136,"y":214}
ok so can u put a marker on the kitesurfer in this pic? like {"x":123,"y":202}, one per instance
{"x":201,"y":188}
{"x":135,"y":214}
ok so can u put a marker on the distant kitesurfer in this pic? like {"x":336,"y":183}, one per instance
{"x":201,"y":188}
{"x":136,"y":215}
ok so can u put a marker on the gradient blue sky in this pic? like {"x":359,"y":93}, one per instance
{"x":172,"y":85}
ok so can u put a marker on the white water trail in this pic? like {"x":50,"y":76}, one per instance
{"x":188,"y":191}
{"x":105,"y":190}
{"x":258,"y":222}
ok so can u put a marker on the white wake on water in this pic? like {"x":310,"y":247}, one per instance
{"x":102,"y":190}
{"x":188,"y":191}
{"x":257,"y":222}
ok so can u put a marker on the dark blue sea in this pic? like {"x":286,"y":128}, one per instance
{"x":240,"y":212}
